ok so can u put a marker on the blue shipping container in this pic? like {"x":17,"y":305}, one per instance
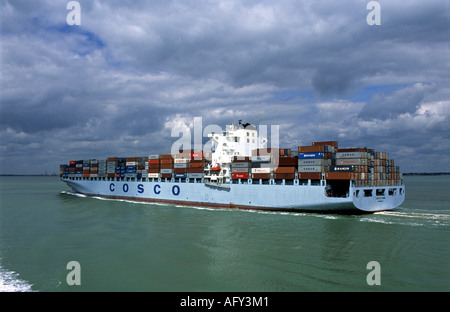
{"x":311,"y":155}
{"x":179,"y":175}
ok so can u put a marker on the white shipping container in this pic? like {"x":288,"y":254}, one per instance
{"x":310,"y":168}
{"x":195,"y":175}
{"x":180,"y":161}
{"x":348,"y":161}
{"x":341,"y":155}
{"x":311,"y":162}
{"x":240,"y":165}
{"x":261,"y":170}
{"x":153,"y":175}
{"x":239,"y":170}
{"x":261,"y":158}
{"x":131,"y":163}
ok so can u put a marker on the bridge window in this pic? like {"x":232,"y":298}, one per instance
{"x":380,"y":192}
{"x":367,"y":193}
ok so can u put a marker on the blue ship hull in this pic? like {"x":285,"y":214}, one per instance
{"x":276,"y":197}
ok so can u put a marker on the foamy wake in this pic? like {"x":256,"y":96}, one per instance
{"x":10,"y":282}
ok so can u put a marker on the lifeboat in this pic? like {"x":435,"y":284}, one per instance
{"x":215,"y":168}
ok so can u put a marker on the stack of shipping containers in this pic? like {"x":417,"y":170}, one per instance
{"x":240,"y":167}
{"x":287,"y":166}
{"x":363,"y":166}
{"x":262,"y":166}
{"x":197,"y":163}
{"x":111,"y":164}
{"x":181,"y":165}
{"x":166,"y":166}
{"x":154,"y":166}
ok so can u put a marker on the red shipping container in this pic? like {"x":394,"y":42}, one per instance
{"x":196,"y":165}
{"x":288,"y":161}
{"x":153,"y":161}
{"x":353,"y":149}
{"x":166,"y":175}
{"x":239,"y":175}
{"x":73,"y":162}
{"x":180,"y":170}
{"x":310,"y":175}
{"x":286,"y":176}
{"x":332,"y":143}
{"x":196,"y":170}
{"x":198,"y":155}
{"x":284,"y":170}
{"x":264,"y":176}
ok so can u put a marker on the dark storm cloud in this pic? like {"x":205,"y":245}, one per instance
{"x":117,"y":83}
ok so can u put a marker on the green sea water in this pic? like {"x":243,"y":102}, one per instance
{"x":127,"y":246}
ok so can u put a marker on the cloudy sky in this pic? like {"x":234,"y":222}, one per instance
{"x":117,"y":84}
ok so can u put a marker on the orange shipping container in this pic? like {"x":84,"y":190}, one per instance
{"x":285,"y":170}
{"x":338,"y":175}
{"x":311,"y":149}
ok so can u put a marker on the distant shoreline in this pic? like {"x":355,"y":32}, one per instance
{"x":27,"y":175}
{"x":55,"y":175}
{"x":425,"y":173}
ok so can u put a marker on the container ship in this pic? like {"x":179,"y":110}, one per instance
{"x":242,"y":172}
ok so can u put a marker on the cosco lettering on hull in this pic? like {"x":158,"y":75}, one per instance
{"x":156,"y":189}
